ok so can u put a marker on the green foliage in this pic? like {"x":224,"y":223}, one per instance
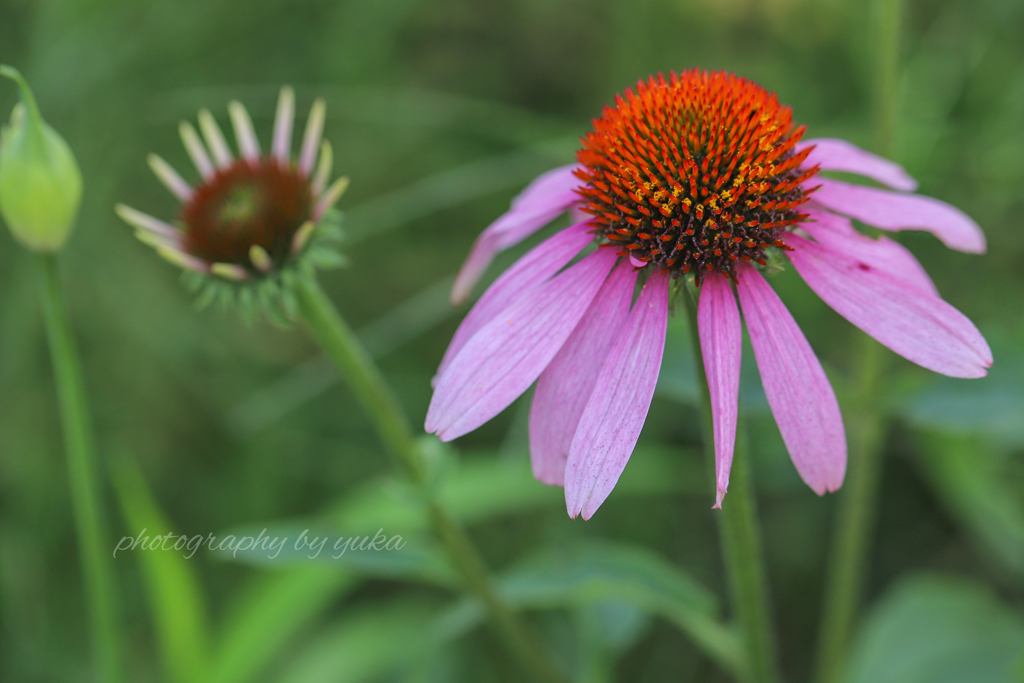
{"x":273,"y":294}
{"x":265,"y":617}
{"x":175,"y":595}
{"x":606,"y":574}
{"x":365,"y":645}
{"x":993,"y":406}
{"x":980,"y":484}
{"x":440,"y":112}
{"x":938,"y":630}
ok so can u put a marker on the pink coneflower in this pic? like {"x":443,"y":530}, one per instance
{"x":249,"y":218}
{"x":704,"y":174}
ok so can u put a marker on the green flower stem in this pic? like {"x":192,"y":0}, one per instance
{"x":741,"y":535}
{"x":83,"y":475}
{"x":866,"y":427}
{"x":362,"y":375}
{"x":858,"y":503}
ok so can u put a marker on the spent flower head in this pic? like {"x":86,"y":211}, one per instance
{"x":701,"y":177}
{"x":40,"y":184}
{"x":253,"y":223}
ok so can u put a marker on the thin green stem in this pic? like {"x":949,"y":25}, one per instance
{"x":83,"y":476}
{"x":362,"y":375}
{"x":855,"y":519}
{"x":858,"y":502}
{"x":741,"y":536}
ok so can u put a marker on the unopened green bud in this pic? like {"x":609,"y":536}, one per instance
{"x":40,"y":184}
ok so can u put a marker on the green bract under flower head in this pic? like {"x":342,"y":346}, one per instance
{"x":253,"y":224}
{"x":40,"y":184}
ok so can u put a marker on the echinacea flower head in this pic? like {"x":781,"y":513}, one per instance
{"x":702,"y":177}
{"x":252,"y":223}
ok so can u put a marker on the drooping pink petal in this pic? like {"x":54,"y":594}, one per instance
{"x":281,"y":144}
{"x":895,"y":211}
{"x":485,"y":248}
{"x":798,"y":392}
{"x":721,"y":344}
{"x":618,"y":406}
{"x":913,"y":322}
{"x":577,"y":215}
{"x":540,"y":203}
{"x":507,"y":355}
{"x":837,"y":233}
{"x":531,"y":271}
{"x":245,"y":135}
{"x":567,"y":383}
{"x":311,"y":137}
{"x":196,"y":150}
{"x":833,"y":154}
{"x":166,"y":174}
{"x":324,"y":166}
{"x":329,"y":198}
{"x":144,"y":221}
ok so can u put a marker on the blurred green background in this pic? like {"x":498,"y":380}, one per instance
{"x":441,"y":111}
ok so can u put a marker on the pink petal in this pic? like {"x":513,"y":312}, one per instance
{"x":312,"y":136}
{"x":894,"y":211}
{"x":281,"y":144}
{"x":245,"y":135}
{"x":618,"y":406}
{"x":540,"y":203}
{"x":577,"y":215}
{"x":567,"y":383}
{"x":914,"y":323}
{"x":507,"y":355}
{"x":721,"y":344}
{"x":485,"y":248}
{"x":799,"y":393}
{"x":531,"y":271}
{"x":837,"y":233}
{"x":636,"y":263}
{"x":839,"y":155}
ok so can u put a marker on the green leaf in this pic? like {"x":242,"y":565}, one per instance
{"x":365,"y":645}
{"x":325,"y":258}
{"x":269,"y":295}
{"x":172,"y":585}
{"x":484,"y":487}
{"x":475,"y":490}
{"x":605,"y":630}
{"x":267,"y":615}
{"x":971,"y":477}
{"x":934,"y":629}
{"x":614,"y":625}
{"x":207,"y":294}
{"x":992,"y":405}
{"x":601,"y":573}
{"x":288,"y":301}
{"x":225,"y":296}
